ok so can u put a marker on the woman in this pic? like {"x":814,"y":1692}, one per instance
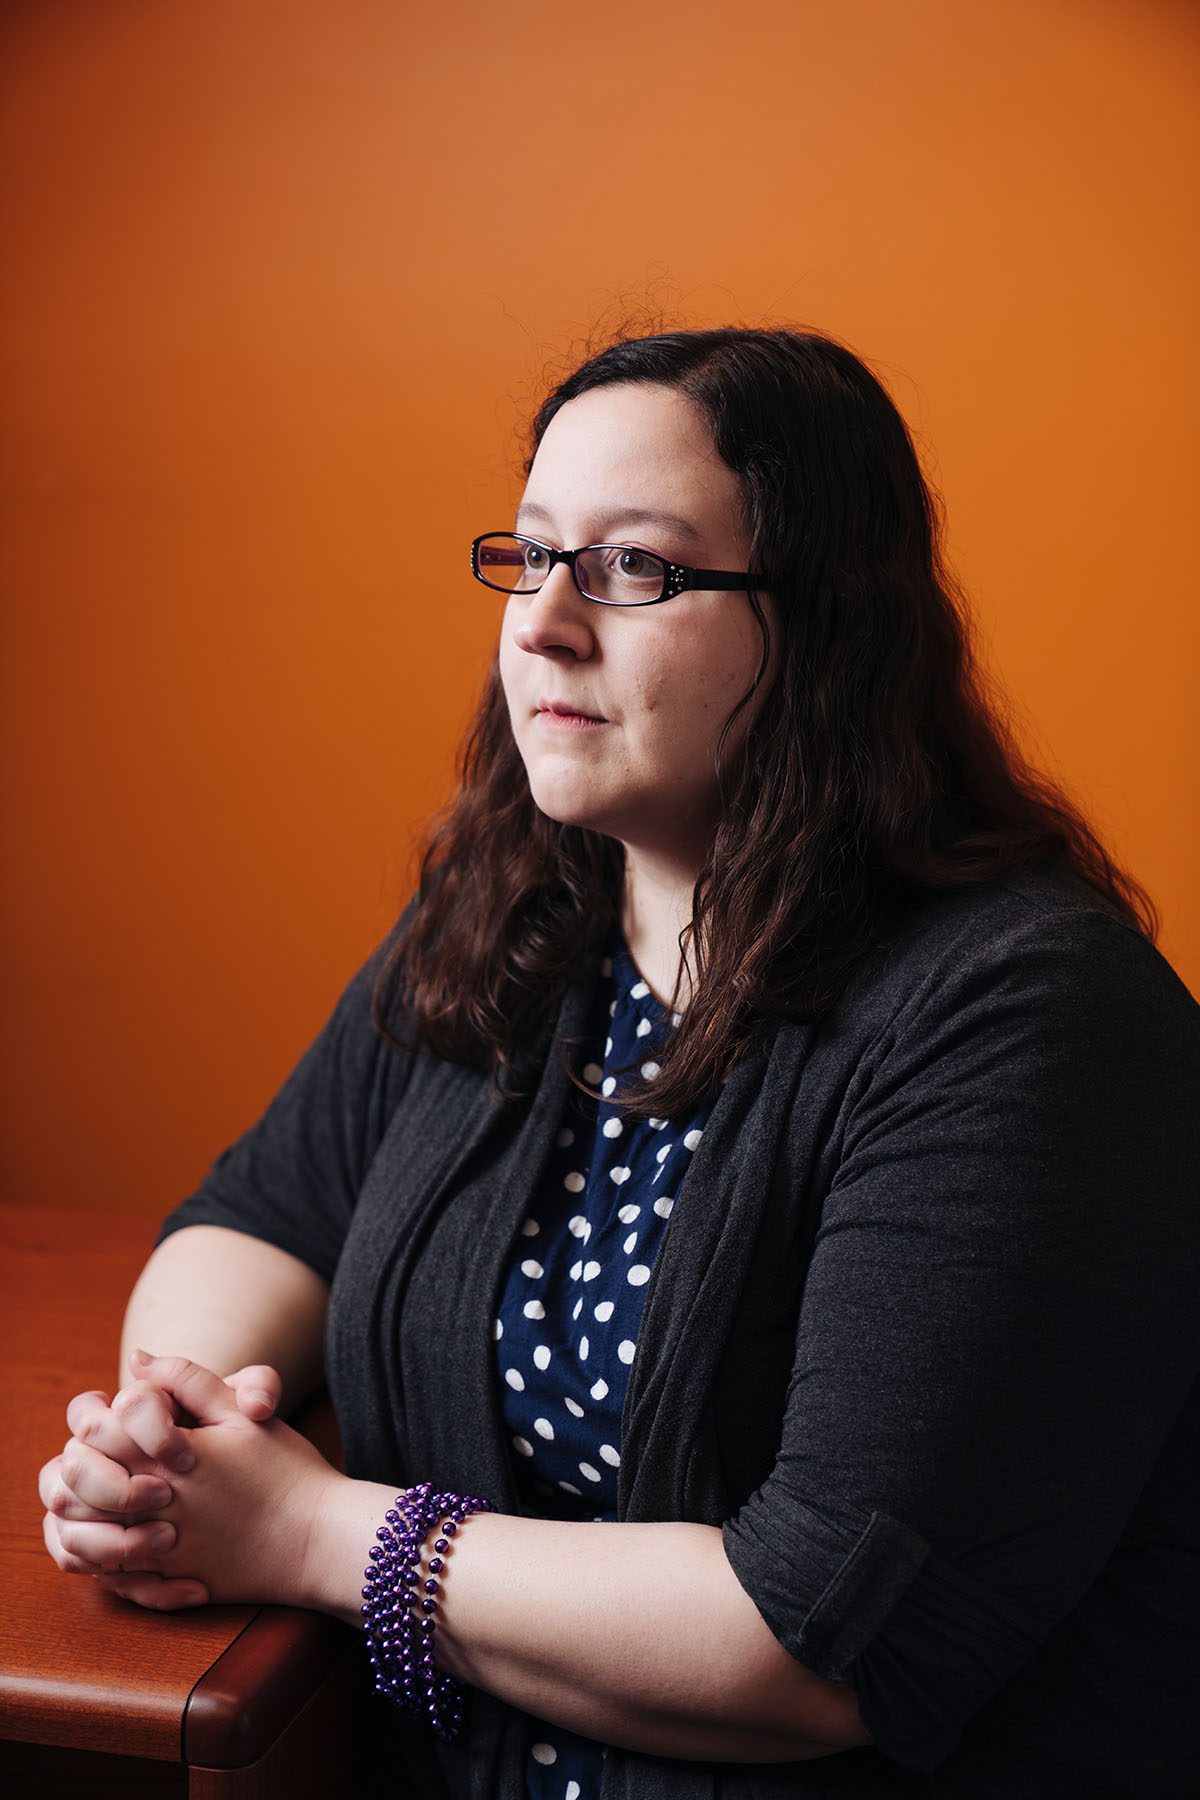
{"x":768,"y":1181}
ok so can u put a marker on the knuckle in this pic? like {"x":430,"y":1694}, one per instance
{"x":47,"y":1479}
{"x":130,"y":1399}
{"x":91,"y":1430}
{"x":72,"y":1463}
{"x":85,"y":1406}
{"x":68,"y":1538}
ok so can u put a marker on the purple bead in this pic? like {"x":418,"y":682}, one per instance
{"x":441,"y":1546}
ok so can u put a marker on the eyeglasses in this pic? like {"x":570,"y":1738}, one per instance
{"x":612,"y":574}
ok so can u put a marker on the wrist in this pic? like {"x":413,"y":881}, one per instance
{"x":344,"y":1516}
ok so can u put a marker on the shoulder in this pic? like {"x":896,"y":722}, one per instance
{"x":1045,"y":939}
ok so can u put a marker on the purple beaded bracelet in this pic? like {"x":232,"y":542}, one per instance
{"x":399,"y":1610}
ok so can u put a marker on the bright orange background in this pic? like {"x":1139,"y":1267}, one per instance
{"x":283,"y":279}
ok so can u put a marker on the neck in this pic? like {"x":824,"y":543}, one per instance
{"x":656,"y":904}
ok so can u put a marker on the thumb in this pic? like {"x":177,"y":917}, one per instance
{"x":197,"y":1389}
{"x":258,"y":1388}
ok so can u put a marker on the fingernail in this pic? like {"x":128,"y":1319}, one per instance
{"x":183,"y":1460}
{"x":195,"y":1599}
{"x":162,"y":1537}
{"x":142,"y":1355}
{"x":260,"y":1396}
{"x":160,"y":1496}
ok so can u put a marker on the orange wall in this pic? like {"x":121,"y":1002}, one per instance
{"x":282,"y":280}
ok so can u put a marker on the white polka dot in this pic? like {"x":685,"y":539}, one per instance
{"x":593,"y":1073}
{"x":613,"y":1128}
{"x":628,"y":1213}
{"x":610,"y":1455}
{"x":576,"y":1269}
{"x":676,"y":1018}
{"x":587,"y":1469}
{"x":657,"y":1124}
{"x":515,"y":1379}
{"x":599,"y":1389}
{"x":573,"y":1407}
{"x":692,"y":1138}
{"x":620,"y":1174}
{"x":565,"y":1138}
{"x":590,"y":1271}
{"x":638,"y":1276}
{"x":608,"y":1046}
{"x":523,"y":1446}
{"x":574,"y":1182}
{"x":577,"y":1226}
{"x":644,"y":1028}
{"x":608,"y":1085}
{"x":612,"y":1009}
{"x":577,"y":1309}
{"x":530,"y":1228}
{"x":625,"y":1350}
{"x":541,"y":1357}
{"x":533,"y":1309}
{"x":649,"y":1071}
{"x":604,"y":1311}
{"x":498,"y":1329}
{"x":545,"y":1429}
{"x":573,"y":1789}
{"x":630,"y":1243}
{"x":583,"y":1349}
{"x":663,"y":1205}
{"x":567,"y":1488}
{"x":606,"y":967}
{"x":638,"y":991}
{"x":532,"y":1269}
{"x":661,"y":1155}
{"x":543,"y":1753}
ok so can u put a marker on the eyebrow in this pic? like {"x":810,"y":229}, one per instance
{"x":622,"y":515}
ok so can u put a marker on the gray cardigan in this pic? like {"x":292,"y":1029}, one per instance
{"x":921,"y":1338}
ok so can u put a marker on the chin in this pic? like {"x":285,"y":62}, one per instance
{"x":563,"y":803}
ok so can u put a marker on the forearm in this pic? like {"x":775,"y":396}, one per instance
{"x":638,"y":1635}
{"x":227,"y":1300}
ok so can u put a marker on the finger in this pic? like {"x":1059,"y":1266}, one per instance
{"x":158,"y":1592}
{"x":115,"y":1547}
{"x":83,"y":1481}
{"x":148,"y":1415}
{"x":204,"y":1394}
{"x":96,"y":1421}
{"x":258,"y":1388}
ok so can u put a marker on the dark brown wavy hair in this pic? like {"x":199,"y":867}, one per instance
{"x":878,"y":769}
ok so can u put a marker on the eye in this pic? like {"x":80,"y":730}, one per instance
{"x":633,"y":563}
{"x":535,"y":558}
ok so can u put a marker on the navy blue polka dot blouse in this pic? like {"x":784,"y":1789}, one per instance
{"x":572,"y":1303}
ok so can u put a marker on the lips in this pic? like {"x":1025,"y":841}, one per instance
{"x":562,"y":710}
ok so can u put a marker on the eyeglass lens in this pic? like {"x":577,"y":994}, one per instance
{"x":614,"y":573}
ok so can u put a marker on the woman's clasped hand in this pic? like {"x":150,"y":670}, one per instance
{"x":169,"y":1515}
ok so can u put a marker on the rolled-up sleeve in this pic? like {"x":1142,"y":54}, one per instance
{"x":998,"y":1326}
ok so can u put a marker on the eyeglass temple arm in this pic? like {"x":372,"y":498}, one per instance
{"x":719,"y":578}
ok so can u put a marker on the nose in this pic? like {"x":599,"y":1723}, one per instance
{"x":556,"y":620}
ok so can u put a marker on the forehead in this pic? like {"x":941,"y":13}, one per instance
{"x":632,"y":447}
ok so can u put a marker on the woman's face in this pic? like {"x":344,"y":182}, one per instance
{"x":631,"y":464}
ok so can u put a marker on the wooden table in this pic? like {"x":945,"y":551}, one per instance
{"x":99,"y":1696}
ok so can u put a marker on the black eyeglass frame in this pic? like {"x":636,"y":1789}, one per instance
{"x":677,"y":577}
